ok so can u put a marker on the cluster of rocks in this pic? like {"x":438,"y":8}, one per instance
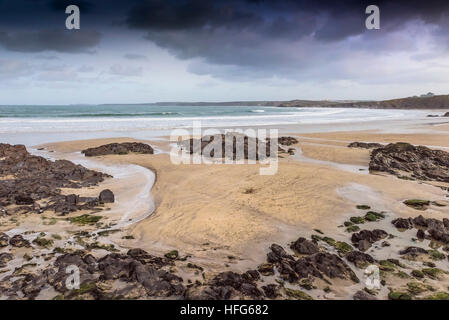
{"x":141,"y":275}
{"x":234,"y":146}
{"x":365,"y":238}
{"x":430,"y":228}
{"x":119,"y":148}
{"x":418,"y":161}
{"x":365,"y":145}
{"x":27,"y":179}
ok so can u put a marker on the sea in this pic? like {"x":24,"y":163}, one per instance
{"x":32,"y":125}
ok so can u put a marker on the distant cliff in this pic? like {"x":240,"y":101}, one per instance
{"x":428,"y":102}
{"x":424,"y":102}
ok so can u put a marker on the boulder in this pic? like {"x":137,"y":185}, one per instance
{"x":106,"y":196}
{"x":304,"y":246}
{"x":18,"y":241}
{"x":119,"y":148}
{"x":365,"y":145}
{"x":420,"y":162}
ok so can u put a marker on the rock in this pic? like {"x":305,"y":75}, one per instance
{"x":119,"y":148}
{"x":417,"y":204}
{"x":237,"y":147}
{"x":365,"y":145}
{"x":446,"y":114}
{"x":209,"y":293}
{"x":363,"y":245}
{"x":420,"y":234}
{"x":272,"y":291}
{"x":4,"y":239}
{"x":5,"y":257}
{"x":413,"y":251}
{"x":19,"y":242}
{"x":419,"y":161}
{"x":173,"y":255}
{"x":359,"y":259}
{"x":287,"y":141}
{"x":23,"y":200}
{"x":303,"y":246}
{"x":266,"y":269}
{"x":106,"y":196}
{"x":401,"y":223}
{"x":277,"y":254}
{"x":71,"y":199}
{"x":363,"y":295}
{"x":324,"y":264}
{"x":37,"y":178}
{"x":366,"y":237}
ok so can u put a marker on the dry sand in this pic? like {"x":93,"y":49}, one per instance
{"x":214,"y":212}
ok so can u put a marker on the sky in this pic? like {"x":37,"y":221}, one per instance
{"x":215,"y":50}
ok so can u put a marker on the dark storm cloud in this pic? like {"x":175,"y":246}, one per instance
{"x":51,"y":40}
{"x":61,"y":5}
{"x":325,"y":20}
{"x":261,"y":36}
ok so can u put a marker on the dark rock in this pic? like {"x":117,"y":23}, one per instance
{"x":446,"y":114}
{"x":304,"y":246}
{"x":209,"y":293}
{"x":363,"y":245}
{"x":277,"y":254}
{"x":71,"y":199}
{"x":19,"y":242}
{"x":23,"y":200}
{"x":119,"y":148}
{"x":272,"y":291}
{"x":266,"y":269}
{"x":106,"y":196}
{"x":4,"y":239}
{"x":401,"y":223}
{"x":369,"y":236}
{"x":37,"y":178}
{"x":365,"y":145}
{"x":420,"y":234}
{"x":359,"y":259}
{"x":5,"y":257}
{"x":287,"y":141}
{"x":421,"y":162}
{"x":237,"y":147}
{"x":324,"y":264}
{"x":413,"y":251}
{"x":363,"y":295}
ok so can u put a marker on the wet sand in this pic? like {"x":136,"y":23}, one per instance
{"x":214,"y":212}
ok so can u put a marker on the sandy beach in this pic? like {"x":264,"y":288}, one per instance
{"x":225,"y":217}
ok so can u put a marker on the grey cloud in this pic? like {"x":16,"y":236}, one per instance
{"x":50,"y":40}
{"x":127,"y":71}
{"x":134,"y":56}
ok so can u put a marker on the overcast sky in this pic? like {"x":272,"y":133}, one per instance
{"x":203,"y":50}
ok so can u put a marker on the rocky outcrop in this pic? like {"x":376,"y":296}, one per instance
{"x":106,"y":196}
{"x":27,"y":179}
{"x":437,"y":230}
{"x":418,"y":161}
{"x":303,"y":246}
{"x":287,"y":141}
{"x":231,"y":145}
{"x":446,"y":114}
{"x":359,"y":259}
{"x":119,"y":148}
{"x":365,"y":145}
{"x":365,"y":238}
